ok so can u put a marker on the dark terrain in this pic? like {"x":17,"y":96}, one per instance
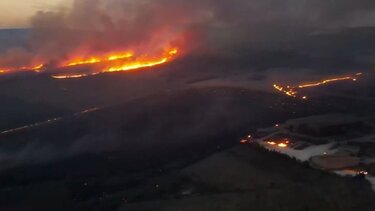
{"x":167,"y":138}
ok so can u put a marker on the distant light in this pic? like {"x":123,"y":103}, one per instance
{"x":282,"y":145}
{"x":363,"y":172}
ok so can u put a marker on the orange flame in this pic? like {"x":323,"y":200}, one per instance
{"x":292,"y":91}
{"x":35,"y":68}
{"x":280,"y":143}
{"x":93,"y":60}
{"x":135,"y":65}
{"x":38,"y":67}
{"x":112,"y":62}
{"x":141,"y":63}
{"x":80,"y":62}
{"x":326,"y":82}
{"x":121,"y":64}
{"x":69,"y":76}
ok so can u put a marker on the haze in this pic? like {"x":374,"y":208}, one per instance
{"x":191,"y":105}
{"x":14,"y":14}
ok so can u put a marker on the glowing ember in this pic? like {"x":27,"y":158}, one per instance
{"x":326,"y":82}
{"x":282,"y":145}
{"x":33,"y":68}
{"x":292,"y":91}
{"x":271,"y":143}
{"x":135,"y":65}
{"x":173,"y":52}
{"x":69,"y":76}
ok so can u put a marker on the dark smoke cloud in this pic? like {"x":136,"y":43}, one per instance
{"x":95,"y":26}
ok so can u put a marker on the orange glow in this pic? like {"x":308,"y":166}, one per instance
{"x":122,"y":62}
{"x":93,"y":60}
{"x":282,"y":145}
{"x":69,"y":76}
{"x":119,"y":56}
{"x":326,"y":82}
{"x":173,"y":52}
{"x":292,"y":91}
{"x":82,"y":61}
{"x":288,"y":91}
{"x":35,"y":68}
{"x":135,"y":65}
{"x":111,"y":62}
{"x":38,"y":67}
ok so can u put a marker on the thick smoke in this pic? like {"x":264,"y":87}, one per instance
{"x":92,"y":27}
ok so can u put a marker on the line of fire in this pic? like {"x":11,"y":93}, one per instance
{"x":111,"y":62}
{"x":294,"y":91}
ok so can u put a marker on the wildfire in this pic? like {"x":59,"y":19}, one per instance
{"x":38,"y":67}
{"x":93,"y":60}
{"x":135,"y":65}
{"x":80,"y":62}
{"x":112,"y":62}
{"x":292,"y":91}
{"x":244,"y":141}
{"x":327,"y":81}
{"x":280,"y":143}
{"x":118,"y":56}
{"x":35,"y":68}
{"x":69,"y":76}
{"x":121,"y":62}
